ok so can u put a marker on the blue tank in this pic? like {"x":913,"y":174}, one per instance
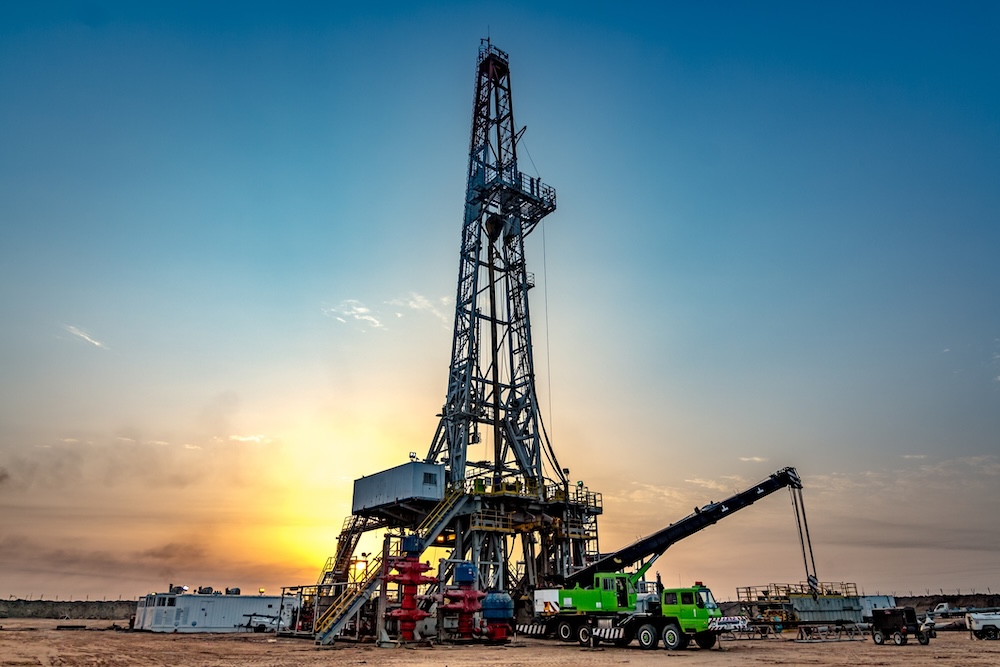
{"x":465,"y":573}
{"x":498,"y":606}
{"x":411,"y":545}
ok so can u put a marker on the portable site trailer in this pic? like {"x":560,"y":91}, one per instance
{"x":193,"y":612}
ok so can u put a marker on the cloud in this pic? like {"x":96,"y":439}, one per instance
{"x":256,"y":439}
{"x":420,"y":303}
{"x":914,"y":456}
{"x":185,"y":560}
{"x":164,"y":561}
{"x":732,"y":482}
{"x":752,"y":459}
{"x":965,"y":482}
{"x":352,"y":309}
{"x":640,"y":493}
{"x":83,"y":335}
{"x":4,"y":475}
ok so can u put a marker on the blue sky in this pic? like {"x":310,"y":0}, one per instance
{"x":228,"y":251}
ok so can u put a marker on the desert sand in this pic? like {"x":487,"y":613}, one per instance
{"x":38,"y":642}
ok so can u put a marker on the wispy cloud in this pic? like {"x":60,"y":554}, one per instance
{"x":83,"y":335}
{"x":352,"y":309}
{"x":915,"y":456}
{"x":255,"y":439}
{"x":421,"y":303}
{"x":752,"y":459}
{"x":726,"y":483}
{"x":642,"y":493}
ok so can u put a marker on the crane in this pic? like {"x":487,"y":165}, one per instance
{"x":651,"y":547}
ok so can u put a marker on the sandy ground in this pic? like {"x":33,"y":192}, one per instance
{"x":37,"y":642}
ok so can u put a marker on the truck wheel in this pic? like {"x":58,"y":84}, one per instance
{"x":878,"y":637}
{"x":673,"y":638}
{"x":564,"y":631}
{"x":898,"y":638}
{"x":923,"y":638}
{"x":991,"y":633}
{"x":583,"y":635}
{"x":705,"y":640}
{"x":647,"y":637}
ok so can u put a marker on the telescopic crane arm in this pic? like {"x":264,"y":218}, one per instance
{"x":652,"y":546}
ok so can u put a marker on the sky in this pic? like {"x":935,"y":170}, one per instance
{"x":229,"y":240}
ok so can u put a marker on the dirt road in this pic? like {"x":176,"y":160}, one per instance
{"x":37,"y":642}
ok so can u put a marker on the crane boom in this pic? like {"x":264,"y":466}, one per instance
{"x":654,"y":545}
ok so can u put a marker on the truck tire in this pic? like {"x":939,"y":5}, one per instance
{"x":898,"y":638}
{"x":564,"y":631}
{"x":583,"y":635}
{"x":878,"y":637}
{"x":923,"y":638}
{"x":673,"y":638}
{"x":647,"y":636}
{"x":705,"y":640}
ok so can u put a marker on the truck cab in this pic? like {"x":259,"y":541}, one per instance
{"x":692,"y":608}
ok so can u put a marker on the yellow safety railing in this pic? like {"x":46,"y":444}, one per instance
{"x":439,"y":511}
{"x":336,"y":610}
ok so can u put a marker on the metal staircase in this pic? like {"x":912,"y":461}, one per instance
{"x":333,"y":619}
{"x":442,"y":514}
{"x":337,"y":568}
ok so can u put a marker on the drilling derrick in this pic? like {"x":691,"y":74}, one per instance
{"x":491,"y":391}
{"x":491,"y":395}
{"x":511,"y":516}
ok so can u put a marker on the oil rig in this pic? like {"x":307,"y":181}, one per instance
{"x":515,"y":532}
{"x":513,"y":521}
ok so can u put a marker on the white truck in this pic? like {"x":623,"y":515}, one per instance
{"x":944,"y":610}
{"x":983,"y":625}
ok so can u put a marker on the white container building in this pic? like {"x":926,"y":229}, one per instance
{"x":213,"y":612}
{"x":414,"y":481}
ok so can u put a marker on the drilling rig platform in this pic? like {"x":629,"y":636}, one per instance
{"x":512,"y":523}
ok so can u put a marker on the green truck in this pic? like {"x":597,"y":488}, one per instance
{"x":617,"y":610}
{"x":599,"y":602}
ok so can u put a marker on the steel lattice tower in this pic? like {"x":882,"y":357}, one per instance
{"x":491,"y":392}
